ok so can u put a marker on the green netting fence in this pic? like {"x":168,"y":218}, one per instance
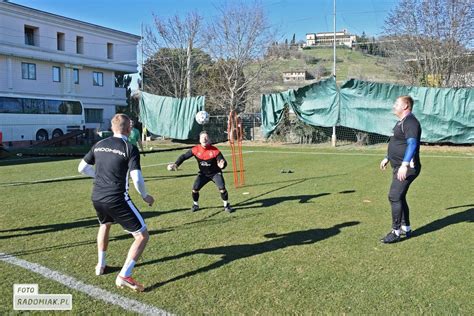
{"x":362,"y":112}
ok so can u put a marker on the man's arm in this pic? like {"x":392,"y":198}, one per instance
{"x":139,"y":184}
{"x":221,"y":162}
{"x":86,"y":169}
{"x":183,"y":157}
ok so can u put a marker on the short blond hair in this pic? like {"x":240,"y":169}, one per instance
{"x":407,"y":100}
{"x":120,"y":123}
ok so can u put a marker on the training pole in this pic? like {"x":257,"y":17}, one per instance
{"x":235,"y":135}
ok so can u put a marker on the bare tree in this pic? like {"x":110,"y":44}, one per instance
{"x":429,"y":40}
{"x":238,"y":38}
{"x":168,"y":48}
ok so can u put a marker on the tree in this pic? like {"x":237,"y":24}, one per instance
{"x":238,"y":37}
{"x":157,"y":76}
{"x":168,"y":47}
{"x":428,"y":40}
{"x":293,"y":40}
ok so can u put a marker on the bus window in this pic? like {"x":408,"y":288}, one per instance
{"x":54,"y":107}
{"x":10,"y":105}
{"x":33,"y":106}
{"x":74,"y":107}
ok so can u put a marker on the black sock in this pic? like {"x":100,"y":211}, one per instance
{"x":196,"y":196}
{"x":224,"y":195}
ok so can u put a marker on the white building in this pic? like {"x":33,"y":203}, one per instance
{"x":48,"y":55}
{"x":296,"y":75}
{"x":327,"y":39}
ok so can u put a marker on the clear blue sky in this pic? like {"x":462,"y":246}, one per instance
{"x":290,"y":16}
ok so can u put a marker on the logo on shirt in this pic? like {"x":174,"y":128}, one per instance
{"x":109,"y":150}
{"x":205,"y":164}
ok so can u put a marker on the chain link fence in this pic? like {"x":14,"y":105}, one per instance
{"x":291,"y":130}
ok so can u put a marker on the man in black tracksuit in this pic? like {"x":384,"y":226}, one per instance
{"x":211,"y":162}
{"x":404,"y":157}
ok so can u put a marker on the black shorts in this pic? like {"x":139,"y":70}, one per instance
{"x":125,"y":213}
{"x":203,"y":179}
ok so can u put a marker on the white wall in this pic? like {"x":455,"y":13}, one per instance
{"x":14,"y":51}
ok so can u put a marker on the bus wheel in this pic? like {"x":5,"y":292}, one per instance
{"x":57,"y":133}
{"x":41,"y":135}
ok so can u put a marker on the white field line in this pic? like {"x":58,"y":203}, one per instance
{"x":75,"y":284}
{"x":350,"y":154}
{"x":245,"y":152}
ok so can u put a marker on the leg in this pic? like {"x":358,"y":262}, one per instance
{"x":201,"y":180}
{"x":124,"y":278}
{"x":395,"y":195}
{"x":141,"y":239}
{"x":102,"y":236}
{"x":132,"y":221}
{"x":218,"y":179}
{"x":405,"y":221}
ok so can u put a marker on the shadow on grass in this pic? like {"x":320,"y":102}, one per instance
{"x":63,"y":179}
{"x":155,"y":178}
{"x":459,"y":206}
{"x":82,"y":243}
{"x":49,"y":228}
{"x":466,"y":216}
{"x":232,"y":253}
{"x":305,"y":198}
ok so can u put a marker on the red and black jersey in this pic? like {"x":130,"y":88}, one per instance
{"x":207,"y":158}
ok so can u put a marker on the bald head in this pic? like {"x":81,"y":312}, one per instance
{"x":121,"y":124}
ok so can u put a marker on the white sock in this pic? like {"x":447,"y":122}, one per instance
{"x":225,"y":203}
{"x":127,"y":269}
{"x":196,"y":203}
{"x":101,"y":259}
{"x":406,"y":228}
{"x":397,"y":232}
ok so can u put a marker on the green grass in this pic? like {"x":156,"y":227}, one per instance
{"x":304,"y":242}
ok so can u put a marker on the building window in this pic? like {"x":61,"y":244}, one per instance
{"x":61,"y":39}
{"x":31,"y":35}
{"x":94,"y":115}
{"x":110,"y":50}
{"x":56,"y":74}
{"x":98,"y":78}
{"x":75,"y":72}
{"x":28,"y":71}
{"x":79,"y":45}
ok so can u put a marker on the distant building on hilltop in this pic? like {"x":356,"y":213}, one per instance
{"x":327,"y":39}
{"x":296,"y":75}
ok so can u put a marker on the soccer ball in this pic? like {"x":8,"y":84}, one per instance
{"x":170,"y":167}
{"x":202,"y":117}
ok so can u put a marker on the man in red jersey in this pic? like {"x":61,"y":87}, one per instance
{"x":211,"y":162}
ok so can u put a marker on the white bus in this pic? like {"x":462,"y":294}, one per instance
{"x":25,"y":118}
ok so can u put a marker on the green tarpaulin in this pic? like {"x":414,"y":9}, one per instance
{"x":446,"y":115}
{"x":171,"y":117}
{"x":315,"y":104}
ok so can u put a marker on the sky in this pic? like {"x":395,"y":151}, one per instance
{"x":289,"y":16}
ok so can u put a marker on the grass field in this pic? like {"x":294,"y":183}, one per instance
{"x":305,"y":242}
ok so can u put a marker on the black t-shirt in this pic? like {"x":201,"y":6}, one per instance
{"x":408,"y":127}
{"x":207,"y":158}
{"x":113,"y":158}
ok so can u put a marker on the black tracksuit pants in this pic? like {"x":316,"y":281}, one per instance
{"x":397,"y":197}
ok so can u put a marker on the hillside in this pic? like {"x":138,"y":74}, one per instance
{"x":349,"y":64}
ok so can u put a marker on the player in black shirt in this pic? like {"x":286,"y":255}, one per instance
{"x":404,"y":157}
{"x":114,"y":158}
{"x":210,"y":162}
